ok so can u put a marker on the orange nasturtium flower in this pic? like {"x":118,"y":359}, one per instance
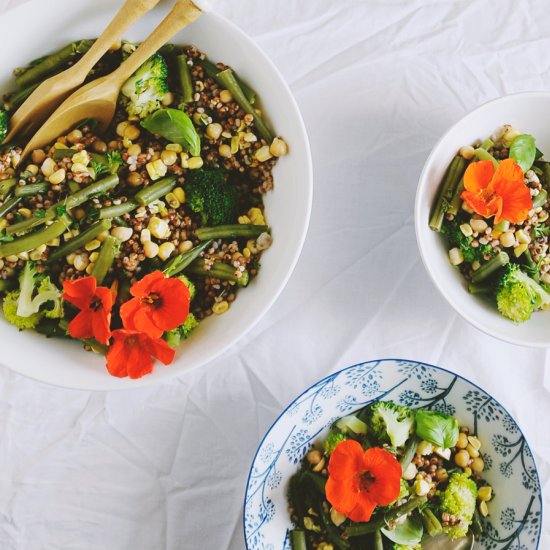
{"x":501,"y":193}
{"x":131,"y":353}
{"x":160,"y":304}
{"x":361,"y":480}
{"x":95,"y":304}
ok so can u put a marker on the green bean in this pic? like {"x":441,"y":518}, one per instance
{"x":60,"y":154}
{"x":431,"y":523}
{"x":18,"y":98}
{"x":212,"y":71}
{"x":378,"y":542}
{"x":52,"y":63}
{"x":546,"y":174}
{"x":219,"y":270}
{"x":477,"y":526}
{"x":6,"y":186}
{"x":482,"y":154}
{"x":118,"y":210}
{"x":107,"y":255}
{"x":169,"y":49}
{"x":456,"y":200}
{"x":317,"y":481}
{"x":409,"y":452}
{"x":50,"y":328}
{"x":184,"y":73}
{"x":487,"y":144}
{"x":540,"y":199}
{"x":34,"y":240}
{"x":230,"y":82}
{"x":333,"y":534}
{"x":32,"y":189}
{"x":120,"y":222}
{"x":360,"y":529}
{"x":483,"y":288}
{"x":298,"y":539}
{"x":446,"y":191}
{"x":89,"y":234}
{"x":178,"y":263}
{"x":247,"y":231}
{"x":73,"y":200}
{"x":8,"y":205}
{"x":490,"y":267}
{"x":151,"y":193}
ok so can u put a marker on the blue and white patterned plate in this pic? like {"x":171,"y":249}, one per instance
{"x":516,"y":510}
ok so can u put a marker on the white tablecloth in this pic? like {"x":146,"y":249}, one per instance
{"x":378,"y":82}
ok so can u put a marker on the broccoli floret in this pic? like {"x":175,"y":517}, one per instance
{"x":4,"y":123}
{"x":518,"y":295}
{"x":143,"y":91}
{"x":9,"y":308}
{"x":209,"y":193}
{"x":459,"y":500}
{"x":174,"y":337}
{"x":189,"y":284}
{"x":35,"y":291}
{"x":390,"y":422}
{"x":332,"y":440}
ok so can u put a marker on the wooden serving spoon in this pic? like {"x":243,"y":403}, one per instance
{"x":53,"y":91}
{"x":98,"y":99}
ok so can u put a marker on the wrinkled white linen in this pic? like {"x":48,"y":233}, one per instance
{"x":378,"y":82}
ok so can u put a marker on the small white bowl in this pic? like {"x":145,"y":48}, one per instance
{"x":288,"y":206}
{"x":529,"y":113}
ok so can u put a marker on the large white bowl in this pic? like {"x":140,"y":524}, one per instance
{"x":39,"y":27}
{"x":529,"y":113}
{"x":515,"y":518}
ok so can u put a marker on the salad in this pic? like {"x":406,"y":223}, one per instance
{"x":492,"y":209}
{"x":129,"y":239}
{"x":389,"y":477}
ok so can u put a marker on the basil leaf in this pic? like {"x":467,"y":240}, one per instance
{"x":408,"y":533}
{"x":175,"y":126}
{"x":437,"y":428}
{"x":523,"y":150}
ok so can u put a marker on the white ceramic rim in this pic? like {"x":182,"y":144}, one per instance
{"x":119,"y":384}
{"x":418,"y":221}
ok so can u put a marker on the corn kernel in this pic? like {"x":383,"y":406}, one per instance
{"x":81,"y":157}
{"x":102,"y":236}
{"x":220,"y":307}
{"x":32,"y":169}
{"x":122,"y":233}
{"x":478,"y":225}
{"x":165,"y":250}
{"x":507,"y":239}
{"x":410,"y":473}
{"x":485,"y":493}
{"x":235,"y":142}
{"x":23,"y":255}
{"x":127,"y":143}
{"x":519,"y":250}
{"x":424,"y":448}
{"x":185,"y":246}
{"x":78,"y":168}
{"x":25,"y":212}
{"x":150,"y":249}
{"x":179,"y":194}
{"x":176,"y":147}
{"x":244,"y":220}
{"x":94,"y":256}
{"x":522,"y":236}
{"x":81,"y":262}
{"x":195,"y":163}
{"x":120,"y":129}
{"x":455,"y":256}
{"x":48,"y":167}
{"x":134,"y":150}
{"x":224,"y":151}
{"x":92,"y":245}
{"x":184,"y":160}
{"x":159,"y":228}
{"x":214,"y":130}
{"x":59,"y":145}
{"x":156,"y":169}
{"x":12,"y":258}
{"x":226,"y":96}
{"x":337,"y":518}
{"x":70,"y":258}
{"x":466,"y":229}
{"x":57,"y":177}
{"x":169,"y":157}
{"x":278,"y":148}
{"x":263,"y":154}
{"x":467,"y":152}
{"x":172,"y":200}
{"x":35,"y":255}
{"x":251,"y":245}
{"x":249,"y":137}
{"x":421,"y":487}
{"x":145,"y":236}
{"x":483,"y":509}
{"x":246,"y":252}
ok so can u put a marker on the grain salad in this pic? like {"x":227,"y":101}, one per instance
{"x":165,"y":207}
{"x":492,"y":209}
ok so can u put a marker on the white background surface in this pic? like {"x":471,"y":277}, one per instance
{"x":378,"y":83}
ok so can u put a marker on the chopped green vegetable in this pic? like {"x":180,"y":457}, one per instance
{"x":523,"y":151}
{"x":459,"y":500}
{"x":455,"y":237}
{"x":437,"y":428}
{"x":174,"y":337}
{"x":391,"y":423}
{"x":4,"y":122}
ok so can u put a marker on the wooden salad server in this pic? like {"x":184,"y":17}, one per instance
{"x":98,"y":99}
{"x":53,"y":91}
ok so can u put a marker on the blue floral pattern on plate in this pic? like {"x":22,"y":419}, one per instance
{"x":516,"y":510}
